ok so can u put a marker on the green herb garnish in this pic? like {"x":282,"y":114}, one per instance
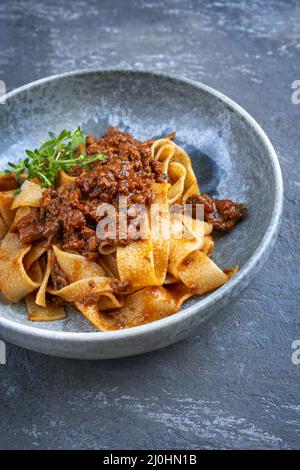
{"x":5,"y":172}
{"x":58,"y":153}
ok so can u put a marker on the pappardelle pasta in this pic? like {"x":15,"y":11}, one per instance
{"x":101,"y":225}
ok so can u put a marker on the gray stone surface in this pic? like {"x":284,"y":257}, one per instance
{"x":233,"y":384}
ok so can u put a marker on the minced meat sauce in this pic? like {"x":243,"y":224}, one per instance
{"x":68,"y":214}
{"x":223,"y":214}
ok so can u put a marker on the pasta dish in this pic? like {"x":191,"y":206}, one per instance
{"x":115,"y":227}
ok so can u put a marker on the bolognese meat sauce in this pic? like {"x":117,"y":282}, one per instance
{"x":68,"y":214}
{"x":223,"y":214}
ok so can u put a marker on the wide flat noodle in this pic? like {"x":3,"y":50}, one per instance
{"x":38,"y":307}
{"x":144,"y":262}
{"x":91,"y":289}
{"x":208,"y":245}
{"x":176,"y":178}
{"x":36,"y":251}
{"x":14,"y":281}
{"x":196,"y":228}
{"x":77,"y":267}
{"x":170,"y":279}
{"x":6,"y":201}
{"x":183,"y":246}
{"x":136,"y":263}
{"x":30,"y":195}
{"x":64,"y":179}
{"x":193,"y":189}
{"x":232,"y":271}
{"x":190,"y":265}
{"x":161,"y":232}
{"x":145,"y":306}
{"x":107,"y":249}
{"x":168,"y":153}
{"x":38,"y":313}
{"x":91,"y":312}
{"x":35,"y":272}
{"x":182,"y":157}
{"x":163,"y":150}
{"x":8,"y":182}
{"x":3,"y":227}
{"x":163,"y":271}
{"x":200,"y":274}
{"x":41,"y":293}
{"x":19,"y":214}
{"x":110,"y":266}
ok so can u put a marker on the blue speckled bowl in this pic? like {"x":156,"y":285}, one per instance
{"x":231,"y":155}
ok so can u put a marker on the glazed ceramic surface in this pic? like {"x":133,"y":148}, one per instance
{"x":232,"y":158}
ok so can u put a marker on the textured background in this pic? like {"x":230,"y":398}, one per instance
{"x":233,"y":384}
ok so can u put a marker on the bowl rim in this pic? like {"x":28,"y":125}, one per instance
{"x":267,"y":241}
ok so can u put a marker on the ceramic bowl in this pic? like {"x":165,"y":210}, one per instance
{"x":231,"y":155}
